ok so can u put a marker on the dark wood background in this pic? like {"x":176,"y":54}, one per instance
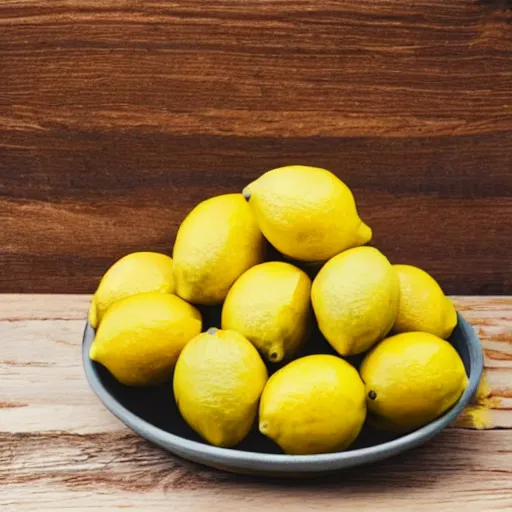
{"x":117,"y":117}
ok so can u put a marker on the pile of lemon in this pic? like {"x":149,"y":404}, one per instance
{"x":149,"y":329}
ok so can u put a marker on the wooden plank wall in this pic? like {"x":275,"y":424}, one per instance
{"x":117,"y":117}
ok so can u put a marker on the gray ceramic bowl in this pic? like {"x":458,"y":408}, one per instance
{"x":152,"y":413}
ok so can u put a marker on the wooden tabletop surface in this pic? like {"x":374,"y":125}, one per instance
{"x":61,"y":450}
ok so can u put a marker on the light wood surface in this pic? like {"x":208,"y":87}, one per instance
{"x":60,"y":450}
{"x":118,"y":116}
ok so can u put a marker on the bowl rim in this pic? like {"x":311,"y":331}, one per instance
{"x":199,"y":451}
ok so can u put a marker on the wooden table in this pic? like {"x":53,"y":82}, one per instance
{"x":61,"y":450}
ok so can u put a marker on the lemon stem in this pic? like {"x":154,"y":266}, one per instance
{"x":276,"y":354}
{"x":372,"y":395}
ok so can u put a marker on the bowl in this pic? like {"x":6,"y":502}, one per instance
{"x":152,"y":413}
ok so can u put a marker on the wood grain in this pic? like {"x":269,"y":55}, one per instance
{"x":116,"y":119}
{"x":114,"y":473}
{"x":60,"y":450}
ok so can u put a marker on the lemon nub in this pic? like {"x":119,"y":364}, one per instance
{"x":246,"y":193}
{"x":93,"y":352}
{"x":364,"y":233}
{"x":275,"y":355}
{"x":263,"y":427}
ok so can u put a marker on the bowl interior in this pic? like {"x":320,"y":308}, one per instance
{"x":157,"y":406}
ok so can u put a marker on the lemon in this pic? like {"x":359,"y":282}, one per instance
{"x":270,"y":305}
{"x":411,"y":379}
{"x":135,"y":273}
{"x":92,"y":317}
{"x":355,"y":297}
{"x":315,"y":404}
{"x":217,"y":242}
{"x":423,"y":306}
{"x":307,"y":213}
{"x":141,"y":336}
{"x":218,"y":381}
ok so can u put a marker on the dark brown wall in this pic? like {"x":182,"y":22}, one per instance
{"x":117,"y":117}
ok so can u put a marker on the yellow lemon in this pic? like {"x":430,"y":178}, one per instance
{"x":92,"y":317}
{"x":218,"y":381}
{"x":307,"y":213}
{"x":423,"y":306}
{"x":141,"y":336}
{"x":270,"y":305}
{"x":315,"y":404}
{"x":217,"y":242}
{"x":135,"y":273}
{"x":411,"y":379}
{"x":355,"y":297}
